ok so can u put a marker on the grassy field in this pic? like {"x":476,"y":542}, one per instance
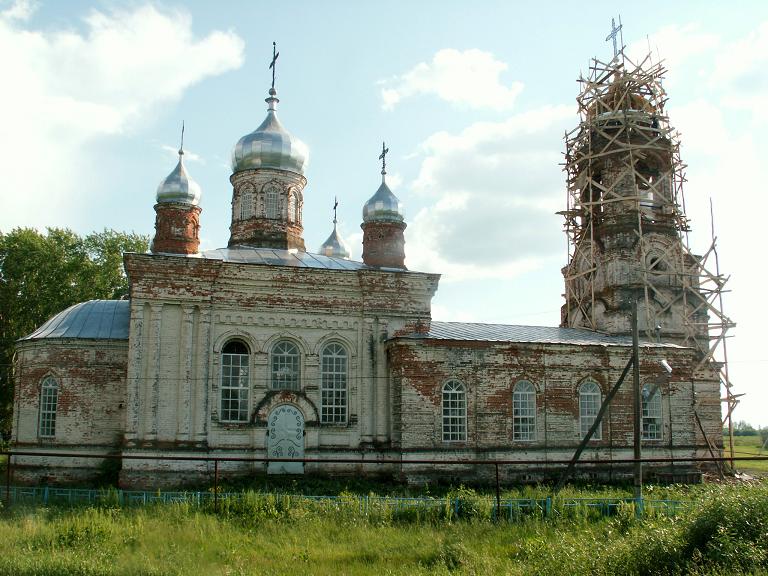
{"x":748,"y":446}
{"x":725,"y":533}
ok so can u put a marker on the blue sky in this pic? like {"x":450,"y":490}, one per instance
{"x":472,"y":99}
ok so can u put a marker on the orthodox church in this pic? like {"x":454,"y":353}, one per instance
{"x":263,"y":349}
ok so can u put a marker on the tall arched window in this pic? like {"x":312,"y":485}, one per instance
{"x":590,"y":399}
{"x":524,"y":411}
{"x":234,"y":382}
{"x":454,"y":412}
{"x":271,"y":196}
{"x":651,"y":413}
{"x":49,"y":402}
{"x":246,"y":204}
{"x":333,"y":386}
{"x":292,"y":207}
{"x":285,"y":366}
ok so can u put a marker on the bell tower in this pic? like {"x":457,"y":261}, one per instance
{"x":625,"y":220}
{"x":268,"y":183}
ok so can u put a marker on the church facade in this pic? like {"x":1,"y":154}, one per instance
{"x":262,"y":349}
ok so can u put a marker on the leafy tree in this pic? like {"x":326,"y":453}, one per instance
{"x":42,"y":274}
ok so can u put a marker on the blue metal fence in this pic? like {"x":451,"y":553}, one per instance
{"x":510,"y":508}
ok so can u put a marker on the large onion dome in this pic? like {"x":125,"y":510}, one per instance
{"x":270,"y":145}
{"x":178,"y":187}
{"x":383,"y":206}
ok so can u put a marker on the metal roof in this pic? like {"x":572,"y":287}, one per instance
{"x":92,"y":320}
{"x":470,"y":331}
{"x":277,"y":257}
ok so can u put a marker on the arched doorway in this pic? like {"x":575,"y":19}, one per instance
{"x":285,"y":439}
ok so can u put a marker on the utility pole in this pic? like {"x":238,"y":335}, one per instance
{"x":638,"y":410}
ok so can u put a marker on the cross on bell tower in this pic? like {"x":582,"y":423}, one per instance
{"x":615,"y":30}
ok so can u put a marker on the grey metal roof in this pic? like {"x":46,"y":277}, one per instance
{"x":275,"y":257}
{"x":530,"y":334}
{"x":92,"y":320}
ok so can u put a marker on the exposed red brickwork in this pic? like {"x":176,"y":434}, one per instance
{"x":177,"y":228}
{"x":267,"y":233}
{"x":384,"y":244}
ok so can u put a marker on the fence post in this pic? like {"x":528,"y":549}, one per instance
{"x":216,"y":485}
{"x":498,"y":493}
{"x":8,"y":481}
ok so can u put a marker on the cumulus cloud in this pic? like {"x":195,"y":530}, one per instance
{"x":63,"y":89}
{"x":676,"y":45}
{"x":740,"y":71}
{"x":469,"y":78}
{"x":494,"y":188}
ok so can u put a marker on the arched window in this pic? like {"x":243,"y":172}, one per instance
{"x":590,"y":399}
{"x":333,"y":385}
{"x":285,"y":366}
{"x":234,"y":382}
{"x":291,"y":207}
{"x":651,"y":413}
{"x":524,"y":411}
{"x":246,"y":204}
{"x":454,"y":412}
{"x":271,"y":195}
{"x":49,"y":402}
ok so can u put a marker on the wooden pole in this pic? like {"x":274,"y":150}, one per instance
{"x":638,"y":410}
{"x":8,"y":481}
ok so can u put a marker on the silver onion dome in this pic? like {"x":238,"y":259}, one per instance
{"x":334,"y":246}
{"x":270,"y":145}
{"x":383,"y":206}
{"x":178,"y":187}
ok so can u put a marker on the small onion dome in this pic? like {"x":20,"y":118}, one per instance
{"x":383,"y":206}
{"x":178,"y":187}
{"x":335,"y":246}
{"x":270,"y":145}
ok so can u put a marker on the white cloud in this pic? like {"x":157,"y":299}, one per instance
{"x":495,"y":189}
{"x":740,"y":71}
{"x":19,"y":10}
{"x":63,"y":89}
{"x":189,"y":156}
{"x":469,"y":78}
{"x":675,"y":45}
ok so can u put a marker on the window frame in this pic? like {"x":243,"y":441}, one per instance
{"x":278,"y":357}
{"x":454,"y":426}
{"x":246,"y":203}
{"x":47,"y":409}
{"x":595,"y":391}
{"x":657,"y":418}
{"x":237,"y":399}
{"x":524,"y":421}
{"x":272,"y":201}
{"x":334,"y":384}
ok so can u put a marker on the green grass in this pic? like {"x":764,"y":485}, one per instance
{"x":724,"y":533}
{"x":748,"y":446}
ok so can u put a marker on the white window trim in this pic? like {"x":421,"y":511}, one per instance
{"x":48,"y":410}
{"x":273,"y":355}
{"x":528,"y":397}
{"x":658,"y":417}
{"x":459,"y":421}
{"x":242,"y":386}
{"x":583,"y":396}
{"x":334,"y":413}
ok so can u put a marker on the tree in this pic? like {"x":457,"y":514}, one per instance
{"x":43,"y":274}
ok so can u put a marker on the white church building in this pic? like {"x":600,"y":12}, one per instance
{"x":264,"y":349}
